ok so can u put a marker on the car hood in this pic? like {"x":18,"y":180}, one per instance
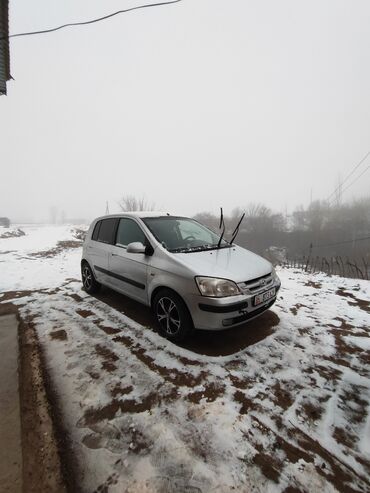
{"x":235,"y":263}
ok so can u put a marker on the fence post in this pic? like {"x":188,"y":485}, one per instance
{"x":337,"y":262}
{"x":366,"y":268}
{"x":356,"y":269}
{"x":308,"y":258}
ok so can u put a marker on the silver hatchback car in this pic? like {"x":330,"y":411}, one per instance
{"x":190,"y":276}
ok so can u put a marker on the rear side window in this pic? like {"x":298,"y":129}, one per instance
{"x":128,"y":232}
{"x":107,"y":230}
{"x":96,"y":231}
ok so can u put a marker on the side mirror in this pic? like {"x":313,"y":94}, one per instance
{"x":136,"y":247}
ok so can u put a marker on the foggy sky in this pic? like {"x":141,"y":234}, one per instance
{"x":196,"y":105}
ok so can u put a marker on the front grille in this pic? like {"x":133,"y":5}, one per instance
{"x":257,"y":279}
{"x":253,"y":285}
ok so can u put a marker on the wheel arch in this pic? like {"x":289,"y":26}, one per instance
{"x":163,"y":288}
{"x":166,"y":288}
{"x":84,"y":261}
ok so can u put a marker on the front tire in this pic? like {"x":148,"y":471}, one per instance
{"x":172,"y":315}
{"x":89,"y":282}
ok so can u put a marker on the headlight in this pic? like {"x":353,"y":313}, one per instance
{"x":211,"y":286}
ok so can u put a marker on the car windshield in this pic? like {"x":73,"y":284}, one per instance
{"x":179,"y":234}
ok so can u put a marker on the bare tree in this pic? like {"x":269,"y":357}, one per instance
{"x":208,"y":219}
{"x":299,"y":219}
{"x":132,"y":203}
{"x":261,"y":219}
{"x":317,"y":216}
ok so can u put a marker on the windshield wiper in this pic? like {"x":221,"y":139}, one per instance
{"x":222,"y":222}
{"x":199,"y":248}
{"x":236,"y":230}
{"x":180,"y":250}
{"x":203,"y":248}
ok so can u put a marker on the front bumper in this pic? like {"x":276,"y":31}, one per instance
{"x":223,"y":313}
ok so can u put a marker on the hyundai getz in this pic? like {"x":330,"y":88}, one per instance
{"x":190,"y":276}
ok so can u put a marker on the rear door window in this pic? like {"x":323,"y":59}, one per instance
{"x":96,"y":231}
{"x":128,"y":232}
{"x":107,"y":230}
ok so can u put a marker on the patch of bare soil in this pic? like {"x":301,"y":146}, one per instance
{"x":12,"y":234}
{"x":46,"y":454}
{"x":353,"y":405}
{"x":294,"y":309}
{"x":59,"y":335}
{"x":344,"y":350}
{"x":291,"y":452}
{"x":106,"y":328}
{"x":282,"y":396}
{"x":108,"y":356}
{"x":84,"y":313}
{"x":187,"y":361}
{"x":171,"y":375}
{"x":344,"y":437}
{"x":12,"y":295}
{"x":306,"y":448}
{"x":75,"y":296}
{"x":61,"y":246}
{"x":109,"y":411}
{"x":269,"y":466}
{"x":93,"y":374}
{"x":48,"y":459}
{"x":239,"y":383}
{"x":313,"y":284}
{"x":247,"y":404}
{"x":362,"y":304}
{"x":118,"y":390}
{"x":211,"y":392}
{"x":293,"y":489}
{"x":311,"y":411}
{"x":338,"y":473}
{"x":79,"y":234}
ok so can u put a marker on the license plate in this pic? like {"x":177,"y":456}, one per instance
{"x":261,"y":298}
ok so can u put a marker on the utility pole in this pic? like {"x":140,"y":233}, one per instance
{"x":107,"y":207}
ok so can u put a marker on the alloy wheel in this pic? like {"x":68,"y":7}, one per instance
{"x":87,"y":277}
{"x":168,"y":315}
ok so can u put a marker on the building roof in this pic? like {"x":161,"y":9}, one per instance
{"x":4,"y":45}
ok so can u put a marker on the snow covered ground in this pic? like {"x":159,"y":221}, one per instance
{"x":288,"y":413}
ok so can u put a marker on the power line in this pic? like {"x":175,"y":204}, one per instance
{"x":348,"y":176}
{"x":343,"y":242}
{"x":357,"y":178}
{"x":92,"y":21}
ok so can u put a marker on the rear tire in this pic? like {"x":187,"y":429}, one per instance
{"x":172,"y":315}
{"x":90,"y":284}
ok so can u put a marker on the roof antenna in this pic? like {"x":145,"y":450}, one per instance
{"x":236,"y":230}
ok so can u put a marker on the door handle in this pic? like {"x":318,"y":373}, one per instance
{"x":114,"y":254}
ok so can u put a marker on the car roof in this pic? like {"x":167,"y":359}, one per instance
{"x":140,"y":214}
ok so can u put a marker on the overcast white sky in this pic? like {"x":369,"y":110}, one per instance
{"x":198,"y":104}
